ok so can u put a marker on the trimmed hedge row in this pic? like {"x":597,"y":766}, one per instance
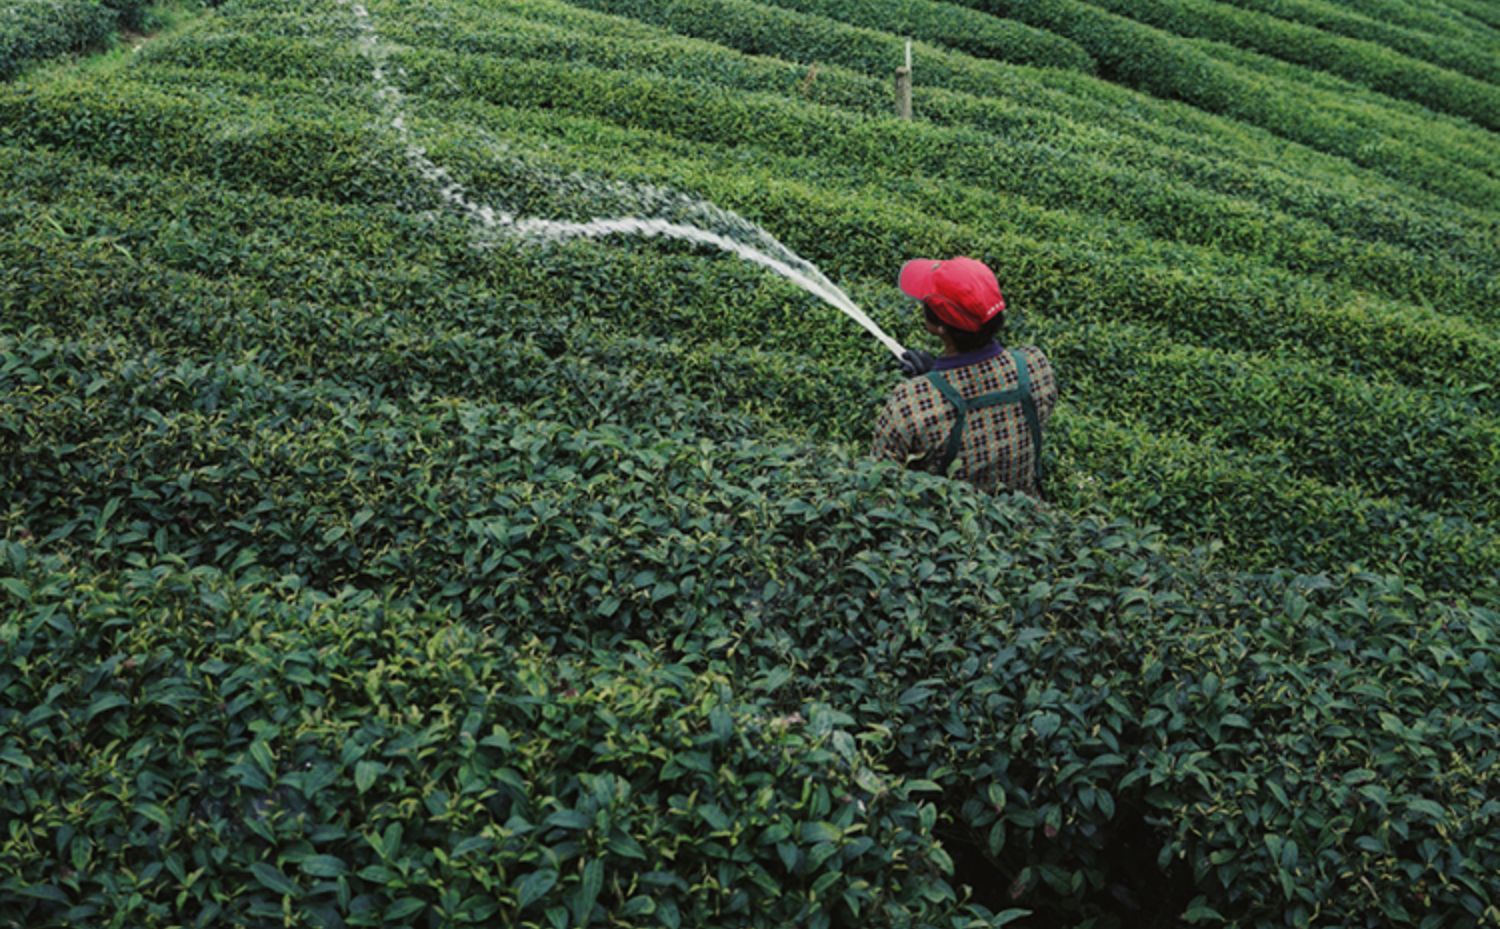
{"x":1167,"y":66}
{"x":1084,"y":705}
{"x":955,"y":27}
{"x":1261,"y":515}
{"x":439,"y":341}
{"x":1470,"y":52}
{"x":1286,"y":516}
{"x":1375,"y":66}
{"x":1064,"y":283}
{"x":33,"y":30}
{"x":1476,"y":12}
{"x":1127,"y":185}
{"x":1469,"y":145}
{"x":1135,"y":288}
{"x":1438,"y":452}
{"x":1246,"y":505}
{"x":1418,"y":342}
{"x":680,"y":288}
{"x":1014,"y":98}
{"x":1106,"y":104}
{"x":1429,"y":449}
{"x":1446,"y":20}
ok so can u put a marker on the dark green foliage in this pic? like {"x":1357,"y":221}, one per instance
{"x":1127,"y":185}
{"x":402,"y":322}
{"x":131,"y":13}
{"x":256,"y":749}
{"x":1217,"y":714}
{"x":831,"y":31}
{"x":357,"y":570}
{"x":1058,"y":128}
{"x":1265,"y":507}
{"x":1455,"y":19}
{"x":33,"y":30}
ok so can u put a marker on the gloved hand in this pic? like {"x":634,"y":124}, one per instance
{"x":915,"y":362}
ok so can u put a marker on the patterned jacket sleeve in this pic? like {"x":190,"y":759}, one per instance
{"x":1044,"y":387}
{"x":891,"y":440}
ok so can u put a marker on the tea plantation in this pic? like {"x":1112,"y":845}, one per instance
{"x":361,"y":568}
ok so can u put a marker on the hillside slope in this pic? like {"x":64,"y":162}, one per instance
{"x":363,"y":565}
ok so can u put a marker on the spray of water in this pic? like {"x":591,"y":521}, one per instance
{"x":495,"y":224}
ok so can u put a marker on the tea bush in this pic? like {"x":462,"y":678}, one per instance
{"x":1459,"y":50}
{"x":1188,"y":712}
{"x":1476,"y":13}
{"x":1374,"y":66}
{"x":1450,"y":22}
{"x":1165,"y":65}
{"x":1042,"y":173}
{"x":260,"y":752}
{"x":357,"y":568}
{"x":955,"y":27}
{"x":1013,"y":97}
{"x":33,"y":30}
{"x":1290,"y":519}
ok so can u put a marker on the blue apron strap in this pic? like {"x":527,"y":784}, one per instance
{"x":1028,"y":406}
{"x":961,"y":411}
{"x":1021,"y":393}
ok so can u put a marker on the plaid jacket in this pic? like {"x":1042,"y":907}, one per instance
{"x":997,"y":452}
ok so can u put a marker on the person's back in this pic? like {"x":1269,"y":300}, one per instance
{"x":977,"y":413}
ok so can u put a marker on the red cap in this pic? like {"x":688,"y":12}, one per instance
{"x":961,"y":291}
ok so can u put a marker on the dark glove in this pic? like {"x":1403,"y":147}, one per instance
{"x":915,"y":362}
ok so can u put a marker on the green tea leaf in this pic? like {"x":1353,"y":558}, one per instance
{"x":534,"y":886}
{"x":272,"y":879}
{"x":366,"y":773}
{"x":323,"y":866}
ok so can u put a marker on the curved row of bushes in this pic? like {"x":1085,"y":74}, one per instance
{"x":1071,"y":293}
{"x":1139,"y":56}
{"x":1372,"y":65}
{"x":34,"y":30}
{"x":1085,"y":701}
{"x":1423,"y":446}
{"x":1128,"y":185}
{"x":1400,"y":321}
{"x":353,"y":287}
{"x":1006,"y":95}
{"x":893,"y":149}
{"x":1246,"y":499}
{"x":955,"y":27}
{"x":1476,"y":12}
{"x":1472,"y":148}
{"x":1446,"y":20}
{"x":1382,"y":140}
{"x":1471,"y":52}
{"x":1436,"y":452}
{"x":364,"y":321}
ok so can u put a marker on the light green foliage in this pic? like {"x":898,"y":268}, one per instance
{"x":1366,"y":63}
{"x":358,"y":570}
{"x":1413,"y":148}
{"x":1433,"y":39}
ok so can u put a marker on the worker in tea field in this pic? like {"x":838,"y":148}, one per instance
{"x":976,"y":412}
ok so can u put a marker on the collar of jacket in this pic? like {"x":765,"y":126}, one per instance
{"x":949,"y":362}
